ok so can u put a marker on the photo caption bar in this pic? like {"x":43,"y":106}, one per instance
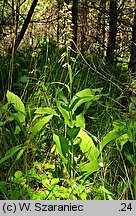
{"x":64,"y":207}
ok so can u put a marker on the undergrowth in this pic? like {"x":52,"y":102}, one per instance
{"x":66,"y":132}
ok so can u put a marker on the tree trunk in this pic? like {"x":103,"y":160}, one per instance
{"x":13,"y":13}
{"x":75,"y":19}
{"x":84,"y":16}
{"x":17,"y":15}
{"x":25,"y":25}
{"x":112,"y":32}
{"x":103,"y":24}
{"x":132,"y":62}
{"x":100,"y":37}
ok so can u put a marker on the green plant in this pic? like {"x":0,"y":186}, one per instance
{"x":67,"y":145}
{"x":124,"y":135}
{"x":40,"y":183}
{"x":75,"y":135}
{"x":23,"y":129}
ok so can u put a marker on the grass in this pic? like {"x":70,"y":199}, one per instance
{"x":37,"y":166}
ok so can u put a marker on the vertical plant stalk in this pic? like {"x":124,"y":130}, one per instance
{"x":66,"y":38}
{"x":127,"y":175}
{"x":25,"y":159}
{"x":103,"y":176}
{"x":71,"y":160}
{"x":133,"y":119}
{"x":135,"y":183}
{"x":15,"y":12}
{"x":73,"y":170}
{"x":11,"y":69}
{"x":66,"y":44}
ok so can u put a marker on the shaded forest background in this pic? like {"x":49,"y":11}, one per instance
{"x":49,"y":51}
{"x":106,"y":28}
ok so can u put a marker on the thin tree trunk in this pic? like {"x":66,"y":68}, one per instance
{"x":17,"y":15}
{"x":13,"y":13}
{"x":103,"y":24}
{"x":75,"y":19}
{"x":26,"y":23}
{"x":84,"y":24}
{"x":100,"y":38}
{"x":132,"y":63}
{"x":112,"y":32}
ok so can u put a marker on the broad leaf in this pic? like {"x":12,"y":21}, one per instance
{"x":90,"y":167}
{"x":122,"y":140}
{"x":72,"y":132}
{"x":130,"y":133}
{"x":111,"y":136}
{"x":87,"y":145}
{"x":77,"y":101}
{"x":20,"y":116}
{"x":86,"y":95}
{"x":130,"y":158}
{"x":45,"y":111}
{"x":92,"y":153}
{"x":20,"y":153}
{"x":62,"y":98}
{"x":76,"y":144}
{"x":10,"y":153}
{"x":88,"y":92}
{"x":80,"y":121}
{"x":39,"y":125}
{"x":16,"y":102}
{"x":65,"y":114}
{"x":62,"y":146}
{"x":20,"y":124}
{"x":18,"y":174}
